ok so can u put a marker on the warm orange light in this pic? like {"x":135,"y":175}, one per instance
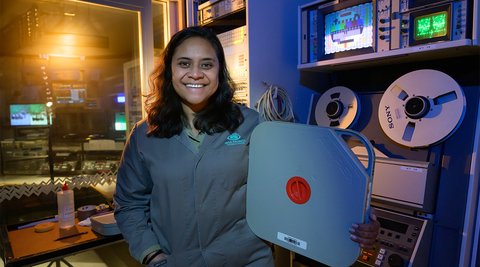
{"x":68,"y":39}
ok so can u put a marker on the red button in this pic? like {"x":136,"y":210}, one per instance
{"x":298,"y":190}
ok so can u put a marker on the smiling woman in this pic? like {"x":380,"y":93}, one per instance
{"x":195,"y":74}
{"x":180,"y":198}
{"x":188,"y":206}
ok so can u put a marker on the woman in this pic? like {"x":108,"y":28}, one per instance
{"x":180,"y":196}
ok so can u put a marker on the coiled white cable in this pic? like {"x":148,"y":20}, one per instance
{"x":275,"y":105}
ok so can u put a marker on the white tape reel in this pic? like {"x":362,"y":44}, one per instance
{"x":421,"y":108}
{"x":337,"y":107}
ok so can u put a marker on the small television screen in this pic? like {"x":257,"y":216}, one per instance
{"x":120,"y":121}
{"x":121,"y":98}
{"x":28,"y":115}
{"x":81,"y":122}
{"x":69,"y":93}
{"x":349,"y":29}
{"x":431,"y":25}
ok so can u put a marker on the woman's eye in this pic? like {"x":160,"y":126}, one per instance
{"x":207,"y":65}
{"x":183,"y":64}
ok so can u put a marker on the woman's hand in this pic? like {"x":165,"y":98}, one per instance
{"x":155,"y":259}
{"x":365,"y":234}
{"x":158,"y":261}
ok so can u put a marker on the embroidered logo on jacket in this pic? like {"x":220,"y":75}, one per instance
{"x":235,"y":139}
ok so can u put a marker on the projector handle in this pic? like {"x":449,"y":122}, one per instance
{"x":370,"y":166}
{"x":368,"y":146}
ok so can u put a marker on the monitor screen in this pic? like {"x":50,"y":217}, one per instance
{"x":121,"y":98}
{"x":431,"y":25}
{"x":349,"y":29}
{"x":70,"y":95}
{"x":80,"y":121}
{"x":28,"y":115}
{"x":120,"y":121}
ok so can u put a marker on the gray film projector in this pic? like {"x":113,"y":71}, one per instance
{"x":305,"y":189}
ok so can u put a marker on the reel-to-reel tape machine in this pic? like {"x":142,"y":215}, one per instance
{"x":420,"y":108}
{"x":337,"y":107}
{"x":407,"y":123}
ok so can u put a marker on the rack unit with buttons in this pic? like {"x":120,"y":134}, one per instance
{"x":235,"y":44}
{"x":402,"y":241}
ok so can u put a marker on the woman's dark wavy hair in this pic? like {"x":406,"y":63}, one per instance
{"x":165,"y":114}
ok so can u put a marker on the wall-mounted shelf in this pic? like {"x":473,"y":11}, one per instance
{"x":227,"y":22}
{"x":410,"y":54}
{"x":342,"y":34}
{"x":222,"y":15}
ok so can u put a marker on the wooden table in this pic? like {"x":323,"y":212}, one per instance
{"x":25,"y":247}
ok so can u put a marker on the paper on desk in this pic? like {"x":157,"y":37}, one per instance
{"x":85,"y":222}
{"x":32,"y":224}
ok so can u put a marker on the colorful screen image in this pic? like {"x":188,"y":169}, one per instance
{"x":431,"y":25}
{"x":120,"y":121}
{"x":28,"y":115}
{"x":349,"y":29}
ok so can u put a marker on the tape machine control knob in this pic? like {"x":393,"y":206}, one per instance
{"x":395,"y":260}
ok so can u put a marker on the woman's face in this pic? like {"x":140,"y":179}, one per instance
{"x":195,"y":70}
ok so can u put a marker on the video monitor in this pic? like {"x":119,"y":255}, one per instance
{"x":28,"y":115}
{"x":70,"y":95}
{"x":431,"y":25}
{"x":120,"y":98}
{"x":120,"y":121}
{"x":349,"y":29}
